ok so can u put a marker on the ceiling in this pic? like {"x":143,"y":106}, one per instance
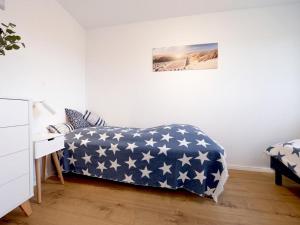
{"x":100,"y":13}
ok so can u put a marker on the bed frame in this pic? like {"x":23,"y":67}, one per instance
{"x":281,"y":169}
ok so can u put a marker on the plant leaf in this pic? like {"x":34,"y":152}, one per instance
{"x":12,"y":25}
{"x":10,"y":31}
{"x":23,"y":45}
{"x":8,"y":47}
{"x":4,"y":25}
{"x":15,"y":46}
{"x":11,"y":38}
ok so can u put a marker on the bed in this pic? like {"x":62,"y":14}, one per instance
{"x":285,"y":160}
{"x":170,"y":156}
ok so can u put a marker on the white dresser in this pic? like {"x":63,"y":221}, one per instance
{"x":16,"y":159}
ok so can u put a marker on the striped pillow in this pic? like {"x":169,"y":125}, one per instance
{"x":93,"y":119}
{"x":61,"y":128}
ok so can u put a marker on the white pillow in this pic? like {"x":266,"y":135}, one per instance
{"x":61,"y":128}
{"x":93,"y":119}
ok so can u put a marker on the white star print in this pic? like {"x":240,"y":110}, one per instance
{"x":202,"y":157}
{"x":209,"y":191}
{"x":128,"y":179}
{"x":101,"y":151}
{"x":163,"y":150}
{"x":103,"y":137}
{"x":136,"y":135}
{"x":183,"y":176}
{"x":85,"y":142}
{"x":86,"y":172}
{"x":146,"y":172}
{"x":203,"y":143}
{"x":114,"y":164}
{"x":118,"y":136}
{"x":200,"y":176}
{"x":150,"y":142}
{"x":72,"y":147}
{"x":182,"y":131}
{"x":164,"y":184}
{"x":166,"y":168}
{"x":131,"y":163}
{"x":185,"y":160}
{"x":201,"y":133}
{"x":78,"y":136}
{"x":153,"y":132}
{"x":167,"y":127}
{"x":92,"y":132}
{"x":72,"y":160}
{"x":114,"y":148}
{"x":125,"y":130}
{"x":101,"y":167}
{"x":60,"y":154}
{"x":183,"y":142}
{"x":166,"y":137}
{"x":217,"y":175}
{"x":147,"y":156}
{"x":131,"y":146}
{"x":87,"y":158}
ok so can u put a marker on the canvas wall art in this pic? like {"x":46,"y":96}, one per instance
{"x":186,"y":57}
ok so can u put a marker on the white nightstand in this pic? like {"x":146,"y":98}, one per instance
{"x":46,"y":144}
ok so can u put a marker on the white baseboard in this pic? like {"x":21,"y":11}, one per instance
{"x":251,"y":168}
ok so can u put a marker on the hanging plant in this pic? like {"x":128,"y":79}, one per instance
{"x":9,"y":40}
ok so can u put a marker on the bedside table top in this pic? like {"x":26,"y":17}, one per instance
{"x":45,"y":136}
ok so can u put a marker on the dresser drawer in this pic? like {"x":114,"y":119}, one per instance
{"x":13,"y":194}
{"x":14,"y":166}
{"x":13,"y":112}
{"x":46,"y":147}
{"x":13,"y":139}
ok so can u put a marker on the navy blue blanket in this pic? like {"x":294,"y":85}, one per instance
{"x":174,"y":156}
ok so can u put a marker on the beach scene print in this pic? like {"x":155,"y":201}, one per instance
{"x":186,"y":57}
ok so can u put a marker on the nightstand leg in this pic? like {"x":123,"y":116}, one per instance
{"x":56,"y":163}
{"x":44,"y":168}
{"x":26,"y":208}
{"x":38,"y":180}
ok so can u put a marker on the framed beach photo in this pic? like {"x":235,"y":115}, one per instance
{"x":185,"y":57}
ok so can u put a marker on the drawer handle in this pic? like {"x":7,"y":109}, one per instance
{"x":50,"y":139}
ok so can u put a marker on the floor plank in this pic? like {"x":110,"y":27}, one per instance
{"x":249,"y":198}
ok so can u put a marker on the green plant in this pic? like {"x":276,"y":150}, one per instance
{"x":9,"y":40}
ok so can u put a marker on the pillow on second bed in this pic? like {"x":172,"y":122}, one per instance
{"x":76,"y":119}
{"x":94,"y":119}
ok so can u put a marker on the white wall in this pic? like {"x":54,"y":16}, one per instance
{"x":52,"y":66}
{"x":251,"y":101}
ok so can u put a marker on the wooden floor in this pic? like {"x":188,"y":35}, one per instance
{"x":249,"y":198}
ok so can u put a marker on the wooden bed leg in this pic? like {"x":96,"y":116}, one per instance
{"x":278,"y":178}
{"x":26,"y":208}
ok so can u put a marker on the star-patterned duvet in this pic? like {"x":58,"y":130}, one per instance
{"x":288,"y":153}
{"x":173,"y":156}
